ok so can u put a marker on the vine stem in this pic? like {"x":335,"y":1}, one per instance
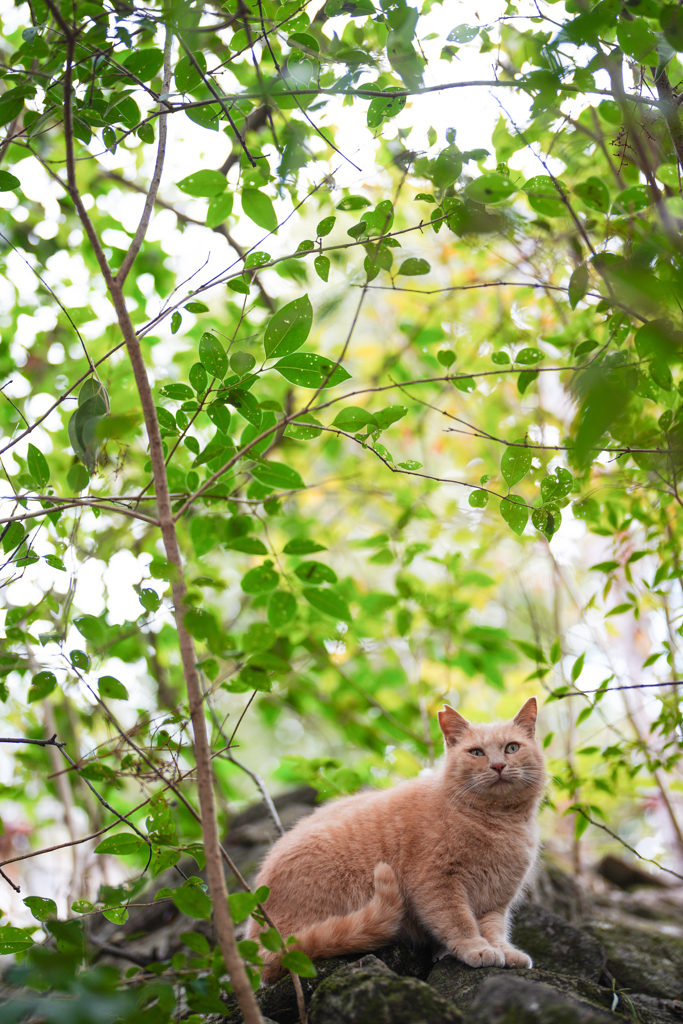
{"x":214,"y":868}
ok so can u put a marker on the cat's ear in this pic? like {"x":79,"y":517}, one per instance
{"x":526,"y":717}
{"x":452,"y":724}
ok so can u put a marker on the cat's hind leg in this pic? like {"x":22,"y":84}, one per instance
{"x":368,"y":928}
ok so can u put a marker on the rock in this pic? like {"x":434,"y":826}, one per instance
{"x":642,"y":961}
{"x":368,"y":992}
{"x":555,"y":890}
{"x":627,"y":876}
{"x":278,"y":1001}
{"x":658,"y":1011}
{"x":555,"y":945}
{"x":461,"y":984}
{"x":510,"y":999}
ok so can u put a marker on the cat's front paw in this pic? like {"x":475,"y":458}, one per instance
{"x":480,"y":954}
{"x":515,"y":957}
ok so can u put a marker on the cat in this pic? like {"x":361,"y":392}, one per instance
{"x":437,"y":860}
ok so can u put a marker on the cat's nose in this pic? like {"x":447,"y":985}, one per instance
{"x":498,"y":767}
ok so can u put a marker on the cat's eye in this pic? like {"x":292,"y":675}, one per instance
{"x":511,"y":748}
{"x":477,"y":751}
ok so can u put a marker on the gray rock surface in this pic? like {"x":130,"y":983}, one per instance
{"x":368,"y":992}
{"x":461,"y":984}
{"x":642,"y":960}
{"x":555,"y":945}
{"x":594,"y":952}
{"x":509,"y":999}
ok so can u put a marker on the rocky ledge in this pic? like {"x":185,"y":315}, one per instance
{"x":601,"y":972}
{"x":608,"y":951}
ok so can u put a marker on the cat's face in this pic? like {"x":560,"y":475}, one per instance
{"x":499,"y":764}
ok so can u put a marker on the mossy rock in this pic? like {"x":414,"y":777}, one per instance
{"x":278,"y":1001}
{"x":555,"y":945}
{"x":509,"y":999}
{"x":642,"y":961}
{"x":461,"y":984}
{"x":368,"y":992}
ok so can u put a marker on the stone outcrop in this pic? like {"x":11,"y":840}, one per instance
{"x":609,"y":956}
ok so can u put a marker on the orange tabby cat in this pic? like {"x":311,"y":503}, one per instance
{"x":436,"y":860}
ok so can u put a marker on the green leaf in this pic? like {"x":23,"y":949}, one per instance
{"x":514,"y":511}
{"x":447,"y":167}
{"x":584,"y":714}
{"x":525,"y":379}
{"x":577,"y":667}
{"x":391,"y":414}
{"x":42,"y":684}
{"x":302,"y":546}
{"x":413,"y":267}
{"x":11,"y":105}
{"x":515,"y":462}
{"x":604,"y":566}
{"x":117,"y":915}
{"x":353,"y":418}
{"x":38,"y":467}
{"x":176,"y":320}
{"x":14,"y":940}
{"x":382,"y":108}
{"x":193,"y":902}
{"x":578,"y":285}
{"x":619,"y":609}
{"x":271,"y":939}
{"x":637,"y":40}
{"x":249,"y":545}
{"x":479,"y":499}
{"x":297,"y":962}
{"x":547,"y":520}
{"x":593,"y":192}
{"x":329,"y":602}
{"x":277,"y":474}
{"x":242,"y":904}
{"x":108,"y":686}
{"x":490,"y":189}
{"x":661,"y":375}
{"x":122,"y":844}
{"x":325,"y":226}
{"x":41,"y":907}
{"x":322,"y":267}
{"x":204,"y":183}
{"x":529,"y":356}
{"x":8,"y":182}
{"x":144,"y":64}
{"x":259,"y":637}
{"x":315,"y":573}
{"x":196,"y":307}
{"x":281,"y":608}
{"x":256,"y":259}
{"x":259,"y":207}
{"x":301,"y":431}
{"x":532,"y":651}
{"x":671,"y":20}
{"x":260,"y":580}
{"x":13,"y":537}
{"x":544,"y":195}
{"x":463,"y":34}
{"x":212,"y":356}
{"x":308,"y":370}
{"x":353,"y":203}
{"x":219,"y":209}
{"x":289,"y":328}
{"x":197,"y":942}
{"x":177,"y":392}
{"x":82,"y":906}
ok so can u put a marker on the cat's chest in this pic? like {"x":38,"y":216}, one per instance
{"x":491,"y":859}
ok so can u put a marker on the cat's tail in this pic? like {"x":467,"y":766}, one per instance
{"x":368,"y":928}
